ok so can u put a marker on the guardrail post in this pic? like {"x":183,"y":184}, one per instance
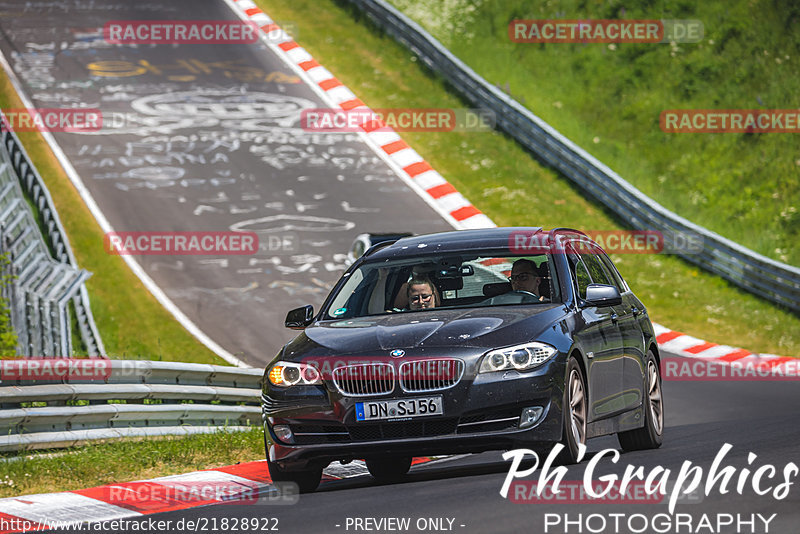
{"x":30,"y":322}
{"x":44,"y":328}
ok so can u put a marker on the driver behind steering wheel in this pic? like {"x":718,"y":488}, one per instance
{"x":524,"y":278}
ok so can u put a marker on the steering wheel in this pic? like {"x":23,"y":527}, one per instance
{"x":513,"y":297}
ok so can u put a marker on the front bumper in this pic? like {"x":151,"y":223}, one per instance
{"x":480,"y":414}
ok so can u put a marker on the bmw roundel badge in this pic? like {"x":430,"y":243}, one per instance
{"x":397,"y":353}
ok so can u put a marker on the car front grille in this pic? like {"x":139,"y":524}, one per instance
{"x":434,"y":374}
{"x":494,"y":421}
{"x":307,"y":434}
{"x":497,"y":421}
{"x":365,"y":379}
{"x":312,"y":434}
{"x":413,"y":429}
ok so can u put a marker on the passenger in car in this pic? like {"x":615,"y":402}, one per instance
{"x":525,"y":278}
{"x":401,"y":297}
{"x":422,"y":294}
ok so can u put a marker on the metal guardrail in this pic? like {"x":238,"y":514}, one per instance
{"x":48,"y":277}
{"x":136,"y":398}
{"x":39,"y":288}
{"x":749,"y":270}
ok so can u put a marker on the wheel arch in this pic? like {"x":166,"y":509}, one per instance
{"x":652,"y":345}
{"x":583,"y":366}
{"x":581,"y":363}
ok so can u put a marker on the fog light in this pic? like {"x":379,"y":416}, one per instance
{"x":283,"y":433}
{"x":530,"y":416}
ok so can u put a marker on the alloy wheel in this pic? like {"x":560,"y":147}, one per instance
{"x":577,"y":407}
{"x":656,"y":405}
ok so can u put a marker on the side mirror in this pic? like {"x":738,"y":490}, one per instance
{"x":602,"y":295}
{"x":299,"y":318}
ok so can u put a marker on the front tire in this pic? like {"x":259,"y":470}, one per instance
{"x":388,"y":469}
{"x":574,"y":410}
{"x":306,"y":479}
{"x":651,"y":434}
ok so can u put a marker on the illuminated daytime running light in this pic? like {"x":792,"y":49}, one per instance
{"x":518,"y":357}
{"x":286,"y":374}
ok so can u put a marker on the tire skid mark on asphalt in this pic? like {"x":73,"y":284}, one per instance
{"x":434,"y":189}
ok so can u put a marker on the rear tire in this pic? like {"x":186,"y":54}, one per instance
{"x":574,"y":411}
{"x":651,"y":434}
{"x":388,"y":469}
{"x":306,"y":479}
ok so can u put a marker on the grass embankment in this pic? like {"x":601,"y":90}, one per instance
{"x":608,"y":97}
{"x":507,"y":183}
{"x":96,"y":465}
{"x":132,"y":324}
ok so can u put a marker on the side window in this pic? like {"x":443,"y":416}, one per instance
{"x":579,"y":273}
{"x":612,"y":269}
{"x":596,"y":269}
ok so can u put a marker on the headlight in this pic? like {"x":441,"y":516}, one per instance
{"x":287,"y":374}
{"x":519,"y":357}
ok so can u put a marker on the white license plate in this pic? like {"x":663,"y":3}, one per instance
{"x":399,"y":408}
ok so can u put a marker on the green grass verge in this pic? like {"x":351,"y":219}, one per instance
{"x":608,"y":97}
{"x":505,"y":182}
{"x":132,"y":324}
{"x":120,"y":461}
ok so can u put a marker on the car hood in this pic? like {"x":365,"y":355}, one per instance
{"x":485,"y":328}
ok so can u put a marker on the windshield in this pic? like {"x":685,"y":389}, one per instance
{"x":419,"y":284}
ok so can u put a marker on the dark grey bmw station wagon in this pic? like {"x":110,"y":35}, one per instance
{"x":463,"y":341}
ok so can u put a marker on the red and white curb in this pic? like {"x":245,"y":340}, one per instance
{"x":406,"y":162}
{"x":672,"y":343}
{"x":240,"y":484}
